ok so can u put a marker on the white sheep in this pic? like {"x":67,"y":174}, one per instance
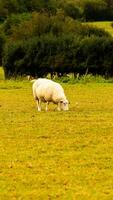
{"x":45,"y":90}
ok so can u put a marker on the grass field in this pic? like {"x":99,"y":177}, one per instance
{"x":103,"y":25}
{"x":56,"y":155}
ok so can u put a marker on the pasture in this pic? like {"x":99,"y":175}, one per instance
{"x":56,"y":155}
{"x":106,"y":25}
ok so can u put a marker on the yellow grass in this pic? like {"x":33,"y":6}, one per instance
{"x":104,"y":25}
{"x":56,"y":155}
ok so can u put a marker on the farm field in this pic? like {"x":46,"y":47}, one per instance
{"x":56,"y":155}
{"x":106,"y":25}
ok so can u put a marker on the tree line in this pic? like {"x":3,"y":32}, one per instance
{"x":86,"y":10}
{"x":47,"y":39}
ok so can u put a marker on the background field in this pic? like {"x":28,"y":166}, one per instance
{"x":103,"y":25}
{"x":56,"y":155}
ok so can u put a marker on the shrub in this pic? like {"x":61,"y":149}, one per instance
{"x":66,"y":54}
{"x":13,"y":53}
{"x":2,"y":42}
{"x":97,"y":11}
{"x":95,"y":56}
{"x":14,"y":20}
{"x":72,"y":10}
{"x":48,"y":44}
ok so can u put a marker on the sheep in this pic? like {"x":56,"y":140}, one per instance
{"x":45,"y":90}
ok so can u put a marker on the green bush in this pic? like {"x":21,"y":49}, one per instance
{"x":25,"y":26}
{"x":72,"y":10}
{"x":65,"y":54}
{"x":47,"y":44}
{"x":95,"y":56}
{"x":97,"y":11}
{"x":13,"y":54}
{"x":8,"y":7}
{"x":2,"y":43}
{"x":14,"y":20}
{"x":88,"y":10}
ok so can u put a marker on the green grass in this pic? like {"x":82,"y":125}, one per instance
{"x":106,"y":25}
{"x":56,"y":155}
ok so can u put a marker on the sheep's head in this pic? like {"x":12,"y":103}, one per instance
{"x":64,"y":105}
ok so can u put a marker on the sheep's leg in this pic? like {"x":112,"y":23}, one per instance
{"x":39,"y":105}
{"x":47,"y":103}
{"x":38,"y":102}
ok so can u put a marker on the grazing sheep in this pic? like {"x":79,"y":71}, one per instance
{"x":45,"y":90}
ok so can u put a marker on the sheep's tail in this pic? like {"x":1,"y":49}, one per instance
{"x":32,"y":81}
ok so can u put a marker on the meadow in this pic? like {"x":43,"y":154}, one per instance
{"x":105,"y":25}
{"x":56,"y":155}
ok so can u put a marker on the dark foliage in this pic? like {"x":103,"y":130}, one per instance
{"x":49,"y":54}
{"x":45,"y":37}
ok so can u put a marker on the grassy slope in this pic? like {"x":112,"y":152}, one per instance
{"x":56,"y":155}
{"x":104,"y":25}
